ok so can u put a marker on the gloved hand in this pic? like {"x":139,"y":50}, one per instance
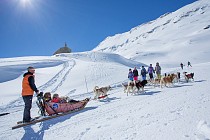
{"x":39,"y":94}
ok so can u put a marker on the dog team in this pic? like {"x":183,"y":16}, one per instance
{"x":134,"y":85}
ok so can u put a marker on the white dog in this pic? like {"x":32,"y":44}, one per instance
{"x":129,"y":87}
{"x":101,"y":91}
{"x":125,"y":85}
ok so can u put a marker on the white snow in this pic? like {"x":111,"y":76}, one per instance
{"x":178,"y":112}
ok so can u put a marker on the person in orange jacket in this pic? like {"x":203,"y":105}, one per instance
{"x":28,"y":88}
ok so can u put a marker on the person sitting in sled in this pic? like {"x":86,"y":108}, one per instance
{"x":64,"y":105}
{"x":57,"y":99}
{"x":47,"y":97}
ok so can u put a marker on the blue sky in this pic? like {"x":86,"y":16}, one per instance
{"x":40,"y":27}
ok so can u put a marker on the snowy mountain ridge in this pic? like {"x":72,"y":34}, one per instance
{"x":170,"y":35}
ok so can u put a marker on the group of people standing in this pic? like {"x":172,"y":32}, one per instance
{"x":133,"y":75}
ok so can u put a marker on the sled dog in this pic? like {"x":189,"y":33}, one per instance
{"x":141,"y":84}
{"x":131,"y":87}
{"x":101,"y":91}
{"x":156,"y":82}
{"x":188,"y":76}
{"x":167,"y":80}
{"x":125,"y":85}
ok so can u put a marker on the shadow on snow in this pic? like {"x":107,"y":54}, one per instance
{"x":149,"y":93}
{"x":108,"y":99}
{"x":45,"y":125}
{"x":200,"y":81}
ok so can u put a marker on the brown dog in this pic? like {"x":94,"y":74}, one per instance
{"x":167,"y":80}
{"x":156,"y":82}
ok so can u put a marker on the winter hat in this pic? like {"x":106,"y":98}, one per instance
{"x":30,"y":68}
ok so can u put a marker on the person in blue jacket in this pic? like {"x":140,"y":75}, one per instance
{"x":143,"y":73}
{"x":130,"y":75}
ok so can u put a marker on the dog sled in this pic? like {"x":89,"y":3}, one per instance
{"x":50,"y":110}
{"x":54,"y":108}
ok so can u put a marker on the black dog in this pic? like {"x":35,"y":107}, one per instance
{"x":141,"y":84}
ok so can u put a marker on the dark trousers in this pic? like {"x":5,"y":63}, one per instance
{"x":27,"y":110}
{"x":151,"y":75}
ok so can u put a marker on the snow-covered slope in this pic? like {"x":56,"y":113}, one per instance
{"x":179,"y":112}
{"x":95,"y":68}
{"x":166,"y":38}
{"x":68,"y":73}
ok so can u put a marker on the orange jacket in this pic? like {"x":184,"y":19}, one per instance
{"x":27,"y":89}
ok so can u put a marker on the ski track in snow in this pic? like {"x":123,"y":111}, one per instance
{"x":59,"y":78}
{"x":53,"y":84}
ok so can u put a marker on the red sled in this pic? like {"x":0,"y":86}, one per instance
{"x":54,"y":108}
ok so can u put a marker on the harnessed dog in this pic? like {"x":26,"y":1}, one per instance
{"x":101,"y":91}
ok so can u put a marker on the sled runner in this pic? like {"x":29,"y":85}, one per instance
{"x":2,"y":114}
{"x":101,"y":97}
{"x":50,"y":110}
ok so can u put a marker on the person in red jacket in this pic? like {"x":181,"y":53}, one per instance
{"x":56,"y":98}
{"x":28,"y":88}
